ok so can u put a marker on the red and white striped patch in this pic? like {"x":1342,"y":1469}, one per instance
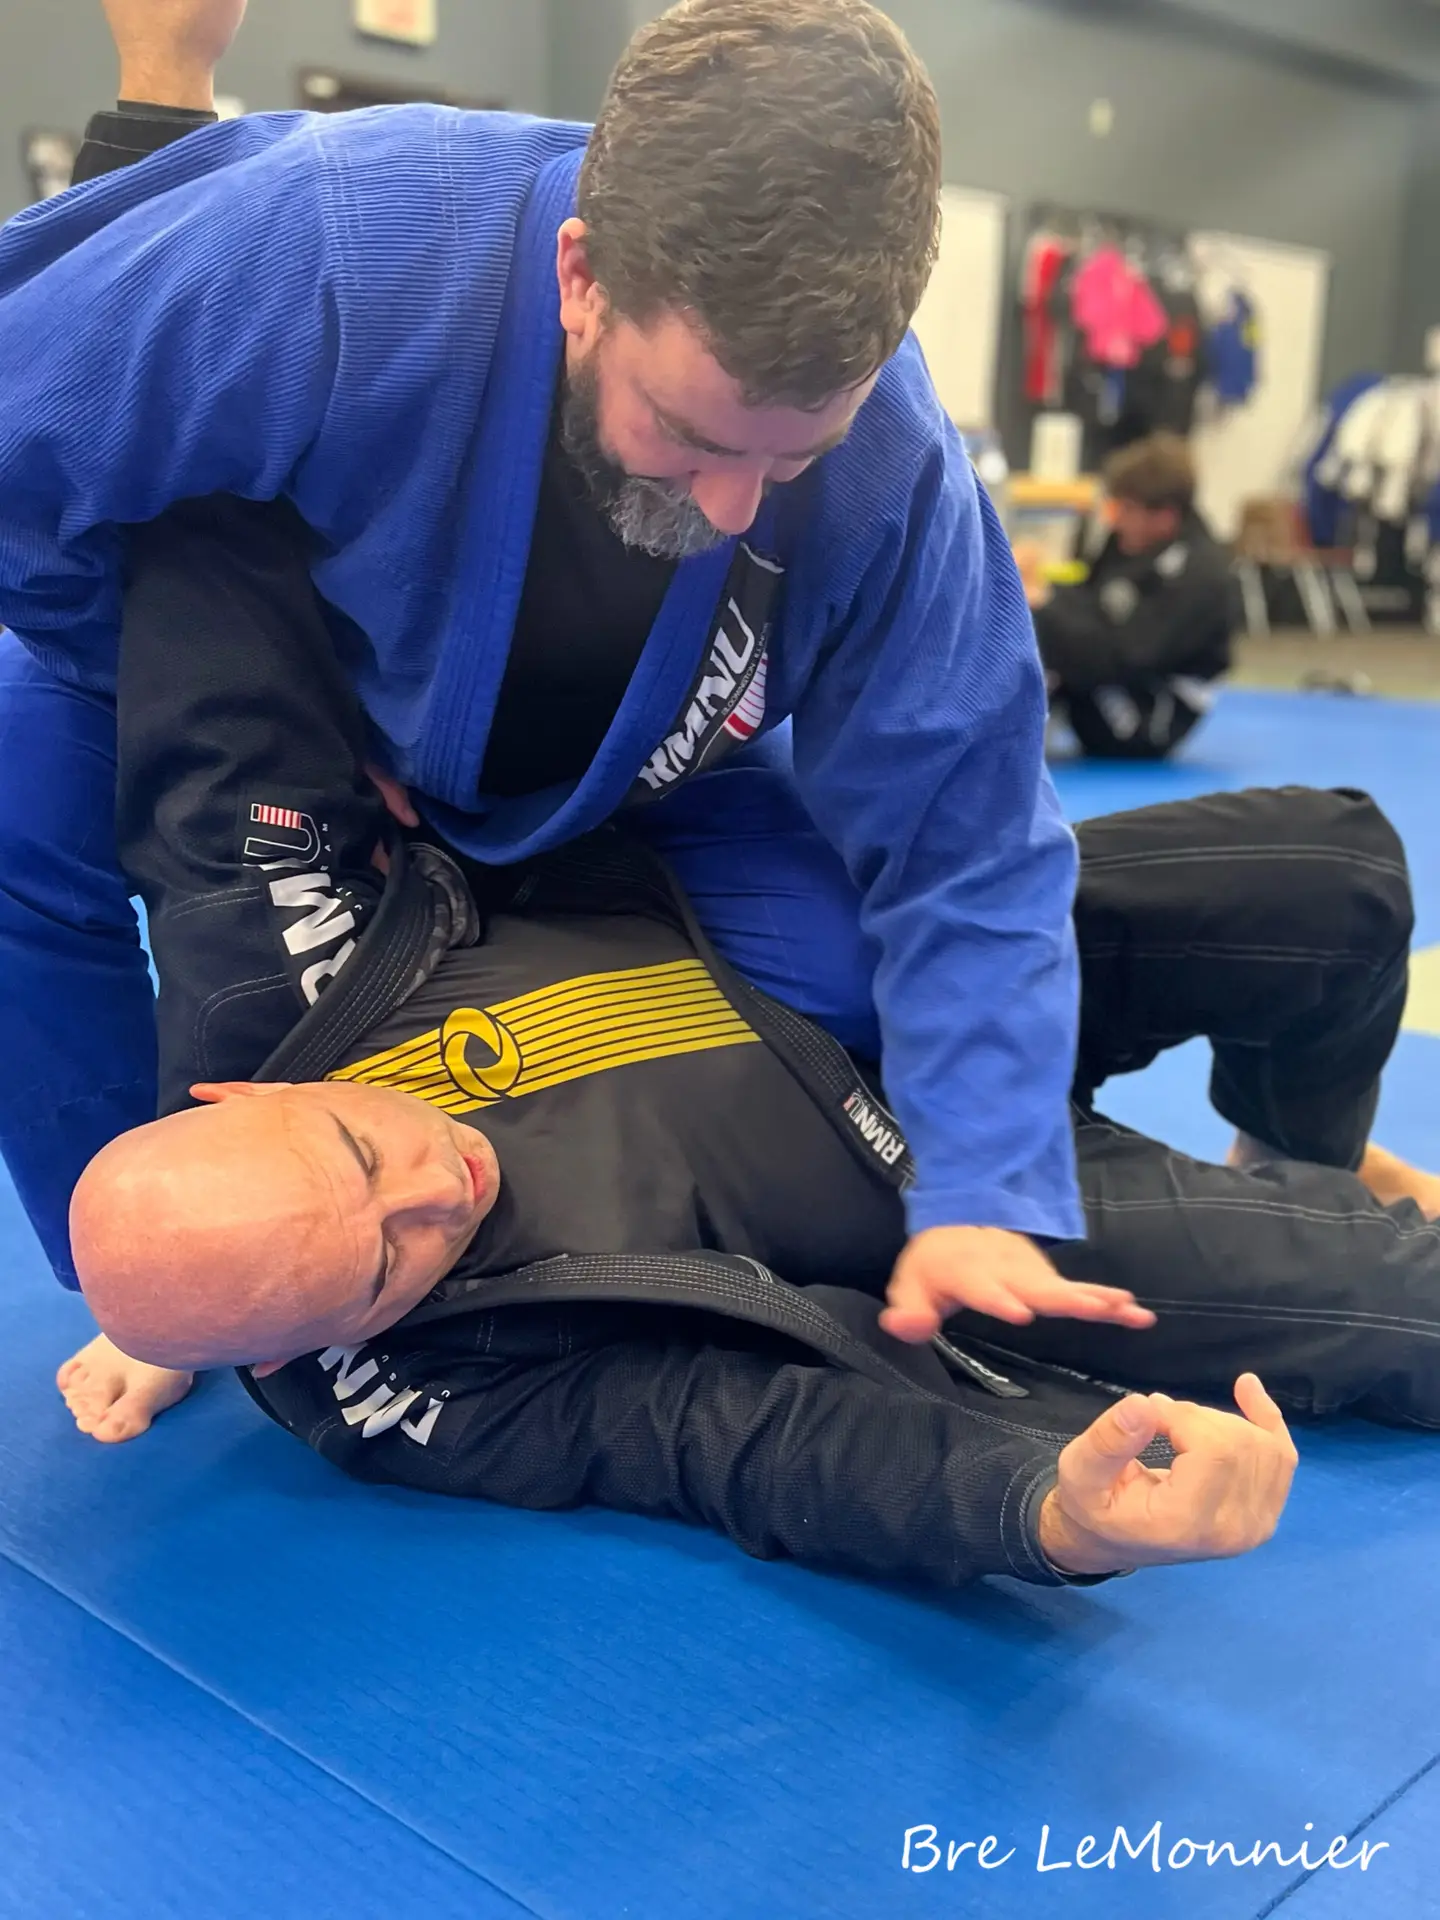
{"x":750,"y":709}
{"x":277,"y":817}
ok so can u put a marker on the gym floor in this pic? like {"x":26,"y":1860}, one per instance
{"x":237,"y":1684}
{"x":1403,"y":662}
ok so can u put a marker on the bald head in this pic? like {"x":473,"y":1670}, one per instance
{"x":274,"y":1221}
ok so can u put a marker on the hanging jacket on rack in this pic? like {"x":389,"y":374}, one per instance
{"x":1385,"y":449}
{"x":1046,"y":258}
{"x":1324,"y":506}
{"x":1232,"y":349}
{"x":1161,"y":393}
{"x":1115,"y":309}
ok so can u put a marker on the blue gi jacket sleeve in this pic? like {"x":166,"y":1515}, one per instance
{"x":154,"y":346}
{"x":919,"y":748}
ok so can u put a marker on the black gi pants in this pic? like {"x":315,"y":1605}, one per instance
{"x":1125,"y":723}
{"x":1277,"y":925}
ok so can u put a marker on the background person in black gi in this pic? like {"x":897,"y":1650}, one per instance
{"x":1132,"y":654}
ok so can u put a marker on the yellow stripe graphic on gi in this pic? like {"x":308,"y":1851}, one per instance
{"x":566,"y":1032}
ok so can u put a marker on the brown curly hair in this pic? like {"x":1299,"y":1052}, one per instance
{"x":1155,"y":472}
{"x":771,"y":169}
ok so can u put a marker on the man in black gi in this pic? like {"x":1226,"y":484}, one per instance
{"x":1132,"y":654}
{"x":610,"y":1325}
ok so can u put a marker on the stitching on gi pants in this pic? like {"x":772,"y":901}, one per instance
{"x":1306,"y":1316}
{"x":1201,"y":856}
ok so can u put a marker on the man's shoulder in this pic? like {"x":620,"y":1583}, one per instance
{"x":392,"y":168}
{"x":435,"y":195}
{"x":427,"y":164}
{"x":901,"y":458}
{"x":1206,"y":558}
{"x":902,"y":424}
{"x":516,"y":143}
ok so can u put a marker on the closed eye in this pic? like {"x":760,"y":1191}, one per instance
{"x":367,"y":1157}
{"x":378,"y":1284}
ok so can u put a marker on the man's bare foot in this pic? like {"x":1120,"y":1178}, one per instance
{"x":114,"y":1397}
{"x":1389,"y":1178}
{"x":1246,"y":1153}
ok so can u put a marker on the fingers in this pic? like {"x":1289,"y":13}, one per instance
{"x":1078,"y":1300}
{"x":1096,"y":1458}
{"x":1231,"y":1476}
{"x":1191,"y":1428}
{"x":1259,"y":1409}
{"x":992,"y":1271}
{"x":912,"y":1325}
{"x":918,"y":1300}
{"x":916,"y":1305}
{"x":1223,"y":1495}
{"x":396,"y":798}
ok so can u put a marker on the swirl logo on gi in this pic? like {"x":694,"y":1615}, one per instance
{"x":487,"y":1080}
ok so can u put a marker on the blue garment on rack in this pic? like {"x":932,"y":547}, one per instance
{"x":1323,"y":506}
{"x":1232,"y":350}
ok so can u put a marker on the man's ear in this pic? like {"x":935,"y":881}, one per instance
{"x":582,"y":301}
{"x":213,"y":1092}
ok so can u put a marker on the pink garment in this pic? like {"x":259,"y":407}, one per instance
{"x":1115,"y":309}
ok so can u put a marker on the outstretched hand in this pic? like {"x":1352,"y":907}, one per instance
{"x":1223,"y":1494}
{"x":169,"y":49}
{"x":989,"y":1270}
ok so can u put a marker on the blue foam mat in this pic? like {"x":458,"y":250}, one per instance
{"x":595,"y":1714}
{"x":1400,"y":1881}
{"x":129,"y":1792}
{"x":587,"y":1715}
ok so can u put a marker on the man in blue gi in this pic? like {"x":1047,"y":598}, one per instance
{"x":615,"y":453}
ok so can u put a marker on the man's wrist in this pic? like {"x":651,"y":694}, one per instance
{"x":1067,"y":1551}
{"x":160,"y":84}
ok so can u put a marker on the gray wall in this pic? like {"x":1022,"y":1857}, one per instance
{"x":1397,"y":36}
{"x":585,"y":39}
{"x":57,"y":64}
{"x":1207,"y":133}
{"x":1205,"y":136}
{"x":1419,"y":304}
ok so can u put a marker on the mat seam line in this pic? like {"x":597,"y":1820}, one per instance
{"x":1390,"y":1800}
{"x":22,"y":1565}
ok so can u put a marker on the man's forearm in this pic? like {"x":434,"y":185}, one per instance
{"x":797,"y":1462}
{"x":168,"y":52}
{"x":169,"y":49}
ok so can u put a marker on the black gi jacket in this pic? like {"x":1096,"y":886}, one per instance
{"x":1143,"y":621}
{"x":618,"y":1332}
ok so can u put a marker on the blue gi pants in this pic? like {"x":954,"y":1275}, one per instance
{"x":77,"y":1021}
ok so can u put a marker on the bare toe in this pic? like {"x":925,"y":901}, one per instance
{"x":120,"y":1423}
{"x":114,"y":1397}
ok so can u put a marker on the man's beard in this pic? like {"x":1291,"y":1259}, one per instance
{"x":657,"y":516}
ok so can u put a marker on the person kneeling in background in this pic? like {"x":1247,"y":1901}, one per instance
{"x":1130,"y":656}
